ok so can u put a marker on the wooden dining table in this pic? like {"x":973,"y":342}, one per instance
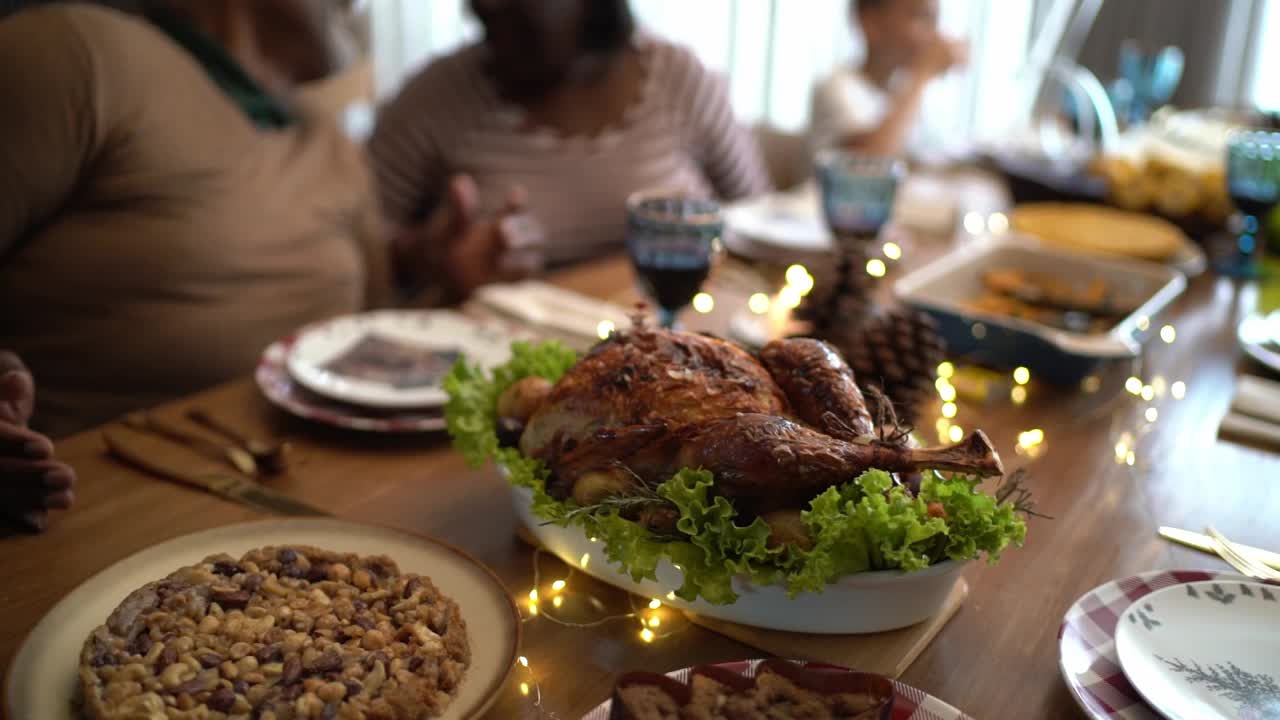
{"x":997,"y":658}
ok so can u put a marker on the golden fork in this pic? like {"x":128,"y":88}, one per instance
{"x":1245,"y":564}
{"x":237,"y":457}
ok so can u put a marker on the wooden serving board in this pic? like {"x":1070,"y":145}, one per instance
{"x":887,"y":653}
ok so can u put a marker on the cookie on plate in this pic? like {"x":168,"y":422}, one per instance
{"x":280,"y":633}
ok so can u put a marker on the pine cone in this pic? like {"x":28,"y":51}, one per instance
{"x":842,"y":292}
{"x":897,"y":351}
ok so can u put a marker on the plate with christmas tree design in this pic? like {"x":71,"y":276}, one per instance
{"x":1087,"y":642}
{"x":1208,"y":649}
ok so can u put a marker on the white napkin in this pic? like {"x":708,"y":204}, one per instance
{"x":1257,"y":397}
{"x":1251,"y":429}
{"x":1255,"y":411}
{"x":540,"y":303}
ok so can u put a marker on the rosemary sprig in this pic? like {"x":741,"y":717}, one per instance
{"x":619,"y":503}
{"x":1013,"y":488}
{"x":889,"y":428}
{"x":646,"y":498}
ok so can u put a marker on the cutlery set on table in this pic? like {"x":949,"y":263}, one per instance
{"x":250,"y":461}
{"x":379,"y":372}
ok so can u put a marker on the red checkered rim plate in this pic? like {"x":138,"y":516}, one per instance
{"x":1087,"y":646}
{"x":908,"y":703}
{"x":272,"y":376}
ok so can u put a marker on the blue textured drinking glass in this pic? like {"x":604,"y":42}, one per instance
{"x":857,"y":191}
{"x":1253,"y":182}
{"x":672,"y":240}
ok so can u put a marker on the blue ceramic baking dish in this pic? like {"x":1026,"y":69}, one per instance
{"x":942,"y":288}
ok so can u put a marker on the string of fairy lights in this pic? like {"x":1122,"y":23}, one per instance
{"x":546,"y":601}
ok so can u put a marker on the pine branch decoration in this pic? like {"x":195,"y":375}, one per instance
{"x":1246,"y":689}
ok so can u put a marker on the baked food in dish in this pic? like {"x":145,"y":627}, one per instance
{"x":280,"y":633}
{"x":780,"y":691}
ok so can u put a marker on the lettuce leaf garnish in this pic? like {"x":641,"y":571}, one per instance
{"x":865,"y":524}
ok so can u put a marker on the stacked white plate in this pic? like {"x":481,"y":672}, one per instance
{"x":1183,"y":645}
{"x":779,"y":227}
{"x":379,"y":371}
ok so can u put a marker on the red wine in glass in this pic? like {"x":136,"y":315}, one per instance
{"x":672,"y":287}
{"x":672,"y":242}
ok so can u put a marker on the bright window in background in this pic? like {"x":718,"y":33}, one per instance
{"x":772,"y":51}
{"x":1266,"y":82}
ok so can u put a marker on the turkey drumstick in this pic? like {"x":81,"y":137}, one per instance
{"x":755,"y":457}
{"x":768,"y":457}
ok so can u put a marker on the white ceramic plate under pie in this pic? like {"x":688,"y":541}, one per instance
{"x":1205,"y":650}
{"x":391,"y":359}
{"x":42,"y":680}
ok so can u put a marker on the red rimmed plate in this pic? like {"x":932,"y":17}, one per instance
{"x":908,"y":702}
{"x":272,"y":376}
{"x":1087,"y":643}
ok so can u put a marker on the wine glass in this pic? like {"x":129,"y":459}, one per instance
{"x":857,"y":192}
{"x":672,"y":240}
{"x":1253,"y":182}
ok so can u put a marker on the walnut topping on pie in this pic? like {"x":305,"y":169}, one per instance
{"x":282,"y":633}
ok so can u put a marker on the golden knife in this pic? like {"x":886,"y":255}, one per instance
{"x":1204,"y":543}
{"x":230,"y":487}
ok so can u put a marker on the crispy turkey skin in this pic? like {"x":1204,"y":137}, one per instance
{"x":774,"y":430}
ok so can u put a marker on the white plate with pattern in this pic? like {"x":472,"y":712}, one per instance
{"x":392,"y":358}
{"x":1205,"y":650}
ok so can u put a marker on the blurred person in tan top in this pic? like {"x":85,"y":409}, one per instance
{"x":164,"y":215}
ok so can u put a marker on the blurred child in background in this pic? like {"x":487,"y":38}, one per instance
{"x":873,"y":108}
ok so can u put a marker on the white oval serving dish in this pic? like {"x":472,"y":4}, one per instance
{"x":859,"y":603}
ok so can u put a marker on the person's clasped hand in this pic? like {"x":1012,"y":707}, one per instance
{"x":937,"y":54}
{"x":32,"y":482}
{"x":470,"y":249}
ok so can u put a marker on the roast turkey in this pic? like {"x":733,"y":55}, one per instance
{"x":775,"y":428}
